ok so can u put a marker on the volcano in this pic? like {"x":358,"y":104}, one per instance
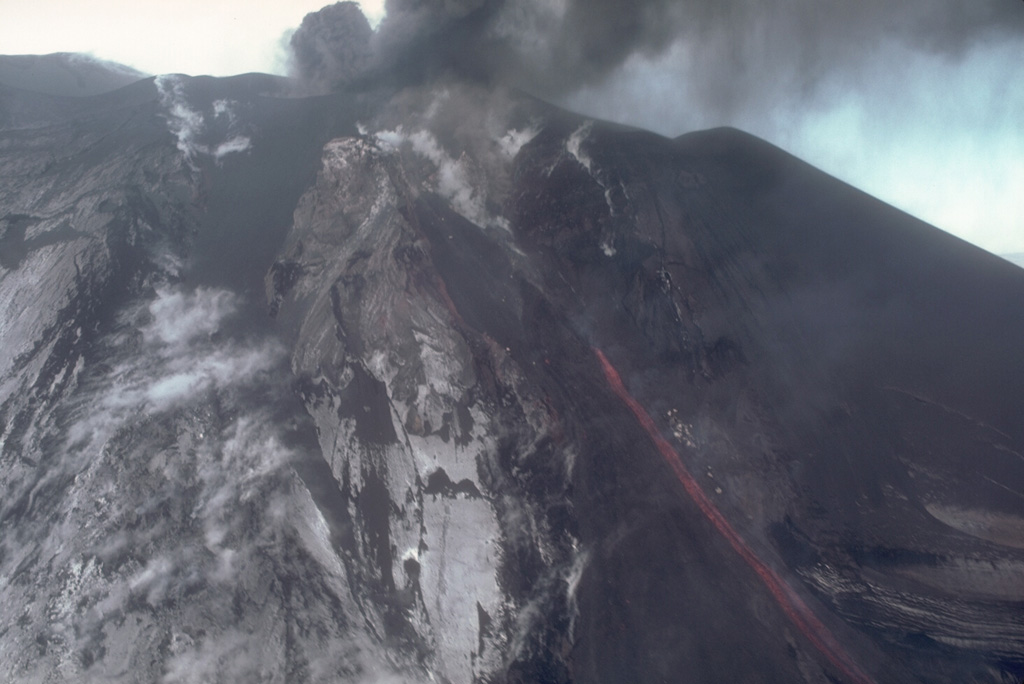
{"x":446,"y":384}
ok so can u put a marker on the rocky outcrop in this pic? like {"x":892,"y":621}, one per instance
{"x":428,"y":427}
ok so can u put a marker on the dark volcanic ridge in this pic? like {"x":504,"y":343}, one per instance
{"x":442,"y":383}
{"x":67,"y":74}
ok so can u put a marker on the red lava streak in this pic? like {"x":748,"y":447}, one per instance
{"x":792,"y":605}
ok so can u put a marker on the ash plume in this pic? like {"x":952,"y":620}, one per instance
{"x":332,"y":46}
{"x":551,"y":47}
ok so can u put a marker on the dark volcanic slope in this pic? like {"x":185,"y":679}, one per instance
{"x":538,"y":399}
{"x":846,"y":378}
{"x":65,"y":73}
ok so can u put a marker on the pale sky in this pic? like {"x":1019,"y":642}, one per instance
{"x":195,"y":37}
{"x":942,"y":139}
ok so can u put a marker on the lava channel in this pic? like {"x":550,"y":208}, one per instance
{"x":792,"y":605}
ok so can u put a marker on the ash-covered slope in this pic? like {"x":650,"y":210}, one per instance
{"x":449,"y":385}
{"x":66,"y":74}
{"x":841,"y":378}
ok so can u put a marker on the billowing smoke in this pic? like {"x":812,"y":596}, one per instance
{"x":552,"y":46}
{"x":332,"y":46}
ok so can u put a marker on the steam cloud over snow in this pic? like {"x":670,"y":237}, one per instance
{"x":461,"y":140}
{"x":183,"y":121}
{"x":190,"y":126}
{"x":175,"y":478}
{"x":514,"y":140}
{"x":453,"y":176}
{"x":182,"y":357}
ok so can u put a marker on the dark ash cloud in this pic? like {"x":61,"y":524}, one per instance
{"x":331,"y":47}
{"x":550,"y":47}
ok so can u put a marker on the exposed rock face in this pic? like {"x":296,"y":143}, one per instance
{"x":428,"y":424}
{"x":155,"y":528}
{"x":538,"y":399}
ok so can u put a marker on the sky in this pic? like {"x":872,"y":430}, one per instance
{"x":919,"y":106}
{"x":214,"y":37}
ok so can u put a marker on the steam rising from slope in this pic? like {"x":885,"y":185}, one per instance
{"x":190,"y":126}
